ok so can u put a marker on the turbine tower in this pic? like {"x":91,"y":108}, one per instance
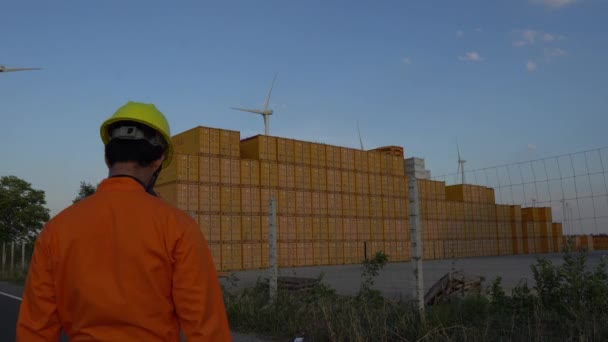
{"x":360,"y":139}
{"x":5,"y":69}
{"x":266,"y":112}
{"x":461,"y":165}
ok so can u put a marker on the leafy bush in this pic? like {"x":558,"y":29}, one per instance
{"x":567,"y":302}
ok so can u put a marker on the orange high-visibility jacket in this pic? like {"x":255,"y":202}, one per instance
{"x":122,"y":265}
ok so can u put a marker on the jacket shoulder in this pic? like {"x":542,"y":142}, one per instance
{"x":170,"y":210}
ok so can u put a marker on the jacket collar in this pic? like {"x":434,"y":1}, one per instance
{"x":121,"y":183}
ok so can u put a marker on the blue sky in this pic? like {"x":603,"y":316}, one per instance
{"x":509,"y":80}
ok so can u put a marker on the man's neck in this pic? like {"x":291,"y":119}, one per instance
{"x":130,"y":169}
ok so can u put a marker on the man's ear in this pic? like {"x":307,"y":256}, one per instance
{"x":158,"y":162}
{"x":107,"y":162}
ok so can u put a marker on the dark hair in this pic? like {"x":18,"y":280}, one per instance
{"x":139,"y":151}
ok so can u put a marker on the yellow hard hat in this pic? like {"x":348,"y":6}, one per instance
{"x":146,"y":114}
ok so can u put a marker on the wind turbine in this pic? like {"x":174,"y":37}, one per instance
{"x":460,"y":164}
{"x":5,"y":69}
{"x":266,"y":112}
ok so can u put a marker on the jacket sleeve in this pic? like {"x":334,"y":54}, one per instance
{"x":196,"y":291}
{"x":38,"y":317}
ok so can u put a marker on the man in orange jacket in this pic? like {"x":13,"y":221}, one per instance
{"x":122,"y":265}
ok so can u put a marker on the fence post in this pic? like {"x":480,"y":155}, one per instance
{"x":12,"y":256}
{"x":416,"y":240}
{"x":3,"y":256}
{"x":23,"y":255}
{"x":272,"y":248}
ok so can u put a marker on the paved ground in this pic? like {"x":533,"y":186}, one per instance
{"x":397,"y":279}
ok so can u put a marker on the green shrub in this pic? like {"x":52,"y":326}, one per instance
{"x":567,"y":302}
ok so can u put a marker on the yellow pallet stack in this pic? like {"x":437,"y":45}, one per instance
{"x":516,"y":229}
{"x":539,"y":231}
{"x":581,"y":242}
{"x":475,"y":214}
{"x":332,"y":206}
{"x":504,"y":229}
{"x":433,"y":220}
{"x":600,"y":242}
{"x":558,"y":237}
{"x":205,"y":180}
{"x":335,"y":205}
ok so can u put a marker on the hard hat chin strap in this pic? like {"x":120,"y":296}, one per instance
{"x":152,"y":182}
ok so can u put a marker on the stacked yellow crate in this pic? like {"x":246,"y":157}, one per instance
{"x":503,"y":229}
{"x":489,"y":228}
{"x":546,"y":231}
{"x":357,"y":226}
{"x":479,"y":231}
{"x":558,"y":236}
{"x":587,"y":242}
{"x":515,"y":219}
{"x":231,"y":235}
{"x":388,"y":207}
{"x":334,"y":205}
{"x":455,"y":241}
{"x":251,"y":220}
{"x":528,"y":233}
{"x":293,"y":198}
{"x":537,"y":230}
{"x":600,"y":243}
{"x":433,"y":213}
{"x":204,"y":180}
{"x":581,"y":242}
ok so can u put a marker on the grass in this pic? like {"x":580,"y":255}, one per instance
{"x":16,"y":276}
{"x":568,"y":302}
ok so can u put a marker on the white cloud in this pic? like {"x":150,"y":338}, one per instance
{"x":557,"y":52}
{"x":531,"y":66}
{"x":531,"y":37}
{"x":554,"y":3}
{"x":548,"y":37}
{"x":462,"y":33}
{"x":531,"y":147}
{"x":472,"y":56}
{"x":407,"y":61}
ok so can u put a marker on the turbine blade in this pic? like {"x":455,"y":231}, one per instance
{"x":360,"y":139}
{"x":255,"y":111}
{"x":17,"y":69}
{"x":269,"y":93}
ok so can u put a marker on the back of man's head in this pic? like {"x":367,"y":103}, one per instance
{"x":140,"y":151}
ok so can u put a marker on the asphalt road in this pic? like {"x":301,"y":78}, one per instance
{"x":10,"y":300}
{"x":9,"y":309}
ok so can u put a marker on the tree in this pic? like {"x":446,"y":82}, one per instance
{"x":86,"y":189}
{"x":22,"y":210}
